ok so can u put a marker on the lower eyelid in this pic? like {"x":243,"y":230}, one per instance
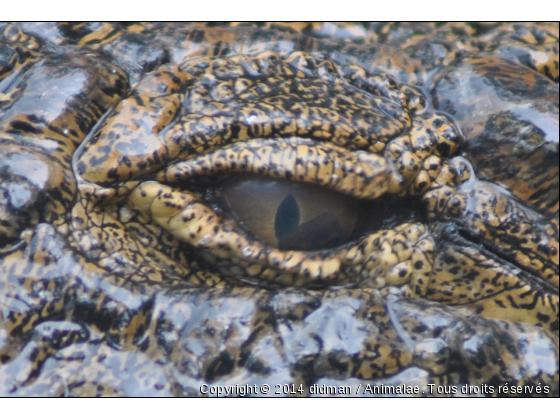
{"x":221,"y":242}
{"x":193,"y":222}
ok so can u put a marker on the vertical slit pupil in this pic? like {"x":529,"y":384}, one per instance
{"x":287,"y":217}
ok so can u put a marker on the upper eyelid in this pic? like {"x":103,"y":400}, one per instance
{"x":360,"y":174}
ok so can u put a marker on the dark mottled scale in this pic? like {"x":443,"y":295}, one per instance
{"x":53,"y":106}
{"x":511,"y":136}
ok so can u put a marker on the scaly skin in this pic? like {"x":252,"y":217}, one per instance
{"x":123,"y":270}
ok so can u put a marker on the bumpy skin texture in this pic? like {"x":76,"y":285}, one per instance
{"x":122,"y":272}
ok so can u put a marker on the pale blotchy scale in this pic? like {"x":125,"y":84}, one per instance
{"x":397,"y":223}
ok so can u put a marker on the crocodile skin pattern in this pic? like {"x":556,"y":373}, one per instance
{"x":397,"y":223}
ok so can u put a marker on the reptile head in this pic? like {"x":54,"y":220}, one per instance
{"x":298,"y":172}
{"x":225,"y":209}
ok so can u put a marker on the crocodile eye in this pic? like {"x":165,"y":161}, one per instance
{"x":289,"y":215}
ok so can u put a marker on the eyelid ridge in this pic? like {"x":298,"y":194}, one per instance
{"x":359,"y":174}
